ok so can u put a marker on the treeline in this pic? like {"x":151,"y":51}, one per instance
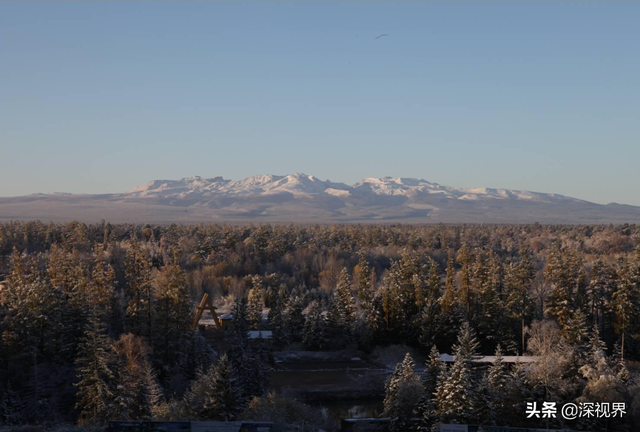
{"x":95,"y":318}
{"x":532,"y":395}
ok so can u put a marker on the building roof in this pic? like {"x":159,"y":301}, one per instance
{"x":257,"y":334}
{"x":448,"y":358}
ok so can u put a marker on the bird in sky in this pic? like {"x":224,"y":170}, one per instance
{"x":381,"y":36}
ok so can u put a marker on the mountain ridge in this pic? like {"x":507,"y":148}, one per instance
{"x":307,"y":199}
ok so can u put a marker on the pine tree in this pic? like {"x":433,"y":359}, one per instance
{"x":601,"y":285}
{"x":429,"y":322}
{"x":94,"y":370}
{"x":403,"y":391}
{"x":562,"y":296}
{"x":255,"y":304}
{"x":342,"y":313}
{"x":276,"y":320}
{"x":575,"y":329}
{"x":448,"y":299}
{"x":465,"y":259}
{"x":294,"y":319}
{"x":457,"y":400}
{"x":198,"y":355}
{"x":11,"y":407}
{"x":102,"y":286}
{"x":399,"y":301}
{"x":314,"y":328}
{"x":224,"y":401}
{"x":365,"y":281}
{"x":519,"y":301}
{"x":625,"y":301}
{"x":432,"y":370}
{"x":137,"y":394}
{"x":497,"y":383}
{"x":238,"y":335}
{"x":69,"y":278}
{"x":139,"y":314}
{"x":252,"y":372}
{"x":172,"y":312}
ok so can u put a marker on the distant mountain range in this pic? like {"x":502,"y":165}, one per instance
{"x":306,"y":199}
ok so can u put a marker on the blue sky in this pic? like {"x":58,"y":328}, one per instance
{"x":102,"y":96}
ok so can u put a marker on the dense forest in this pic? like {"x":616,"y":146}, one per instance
{"x":95,"y":319}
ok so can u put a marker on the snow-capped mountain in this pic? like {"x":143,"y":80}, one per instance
{"x":306,"y":185}
{"x":305,"y":198}
{"x":296,"y":184}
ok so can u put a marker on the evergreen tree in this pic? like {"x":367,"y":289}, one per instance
{"x":399,"y":297}
{"x":342,"y":313}
{"x":601,"y":285}
{"x":432,"y":370}
{"x":365,"y":281}
{"x":497,"y":384}
{"x":625,"y":301}
{"x":457,"y":400}
{"x":11,"y":407}
{"x":94,"y":370}
{"x":102,"y":286}
{"x":255,"y":304}
{"x":137,"y":394}
{"x":314,"y":337}
{"x":139,"y":313}
{"x":277,"y":322}
{"x":448,"y":299}
{"x":465,"y":297}
{"x":172,"y":311}
{"x":216,"y":394}
{"x":562,"y":296}
{"x":403,"y":391}
{"x":575,"y":329}
{"x":519,"y":301}
{"x":252,"y":373}
{"x":294,"y":319}
{"x":239,"y":333}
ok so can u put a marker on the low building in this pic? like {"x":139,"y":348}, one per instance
{"x":448,"y":358}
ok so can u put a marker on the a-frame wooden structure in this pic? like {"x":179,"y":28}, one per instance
{"x":205,"y":304}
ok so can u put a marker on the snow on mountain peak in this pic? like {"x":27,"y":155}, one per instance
{"x":303,"y":185}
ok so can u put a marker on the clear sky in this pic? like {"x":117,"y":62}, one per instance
{"x":102,"y":96}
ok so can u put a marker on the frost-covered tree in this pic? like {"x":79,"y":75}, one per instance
{"x":518,"y":279}
{"x":603,"y":385}
{"x":561,"y":301}
{"x":625,"y":301}
{"x":602,"y":283}
{"x":342,"y":312}
{"x":403,"y":391}
{"x":365,"y":277}
{"x":294,"y":319}
{"x":427,"y":406}
{"x":255,"y":303}
{"x":550,"y":373}
{"x":456,"y":396}
{"x":216,"y":394}
{"x":102,"y":286}
{"x":95,"y":374}
{"x":276,"y":320}
{"x":448,"y":299}
{"x":497,"y":384}
{"x":465,"y":293}
{"x":173,"y":312}
{"x":314,"y":336}
{"x":137,"y":394}
{"x":139,"y":291}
